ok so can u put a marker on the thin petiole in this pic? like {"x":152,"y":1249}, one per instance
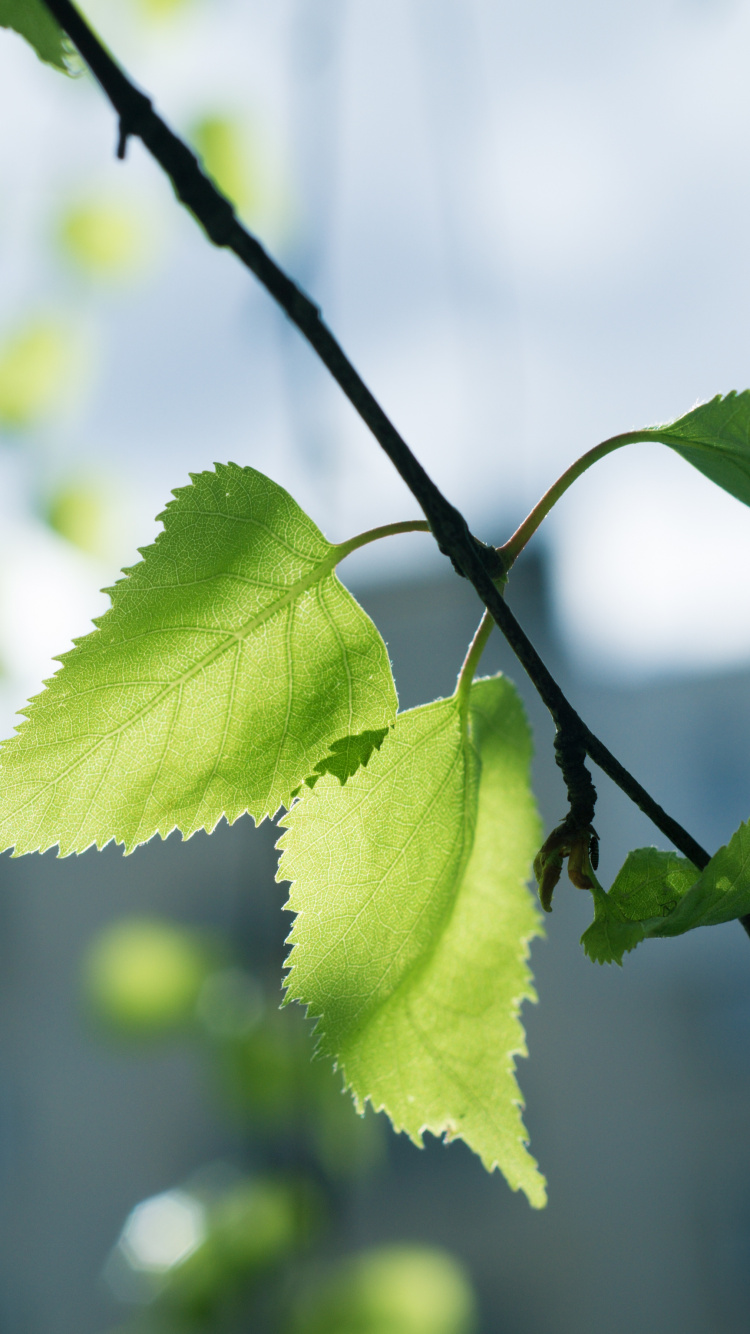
{"x":471,"y":661}
{"x":374,"y":535}
{"x":515,"y":545}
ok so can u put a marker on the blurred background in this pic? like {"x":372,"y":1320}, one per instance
{"x":529,"y":227}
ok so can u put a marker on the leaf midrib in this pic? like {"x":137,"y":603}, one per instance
{"x":361,"y":1022}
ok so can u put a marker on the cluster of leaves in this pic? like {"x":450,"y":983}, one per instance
{"x":234,"y":671}
{"x":660,"y":894}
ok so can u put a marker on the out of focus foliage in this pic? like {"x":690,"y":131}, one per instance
{"x":226,"y":1251}
{"x":225,"y":153}
{"x":77,"y":510}
{"x":35,"y":365}
{"x":104,"y":238}
{"x":144,"y":976}
{"x":391,"y":1290}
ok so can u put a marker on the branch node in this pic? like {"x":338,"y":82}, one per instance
{"x":575,"y":837}
{"x":132,"y":119}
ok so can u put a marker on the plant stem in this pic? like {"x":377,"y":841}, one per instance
{"x":511,"y":549}
{"x":471,"y":558}
{"x":387,"y":530}
{"x":471,"y":661}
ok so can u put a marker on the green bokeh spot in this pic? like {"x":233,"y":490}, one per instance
{"x":391,"y":1290}
{"x":104,"y":239}
{"x":35,"y":366}
{"x":224,"y":150}
{"x":143,"y":976}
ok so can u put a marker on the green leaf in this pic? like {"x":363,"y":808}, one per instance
{"x":33,"y":21}
{"x":229,"y":662}
{"x":719,"y":894}
{"x":715,"y":438}
{"x":658,"y":894}
{"x":414,"y":921}
{"x":649,"y":886}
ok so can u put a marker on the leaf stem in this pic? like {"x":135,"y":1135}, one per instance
{"x":374,"y":534}
{"x":512,"y":549}
{"x":471,"y":661}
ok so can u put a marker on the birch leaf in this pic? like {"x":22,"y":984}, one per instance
{"x":648,"y":887}
{"x":230,"y":661}
{"x":658,"y":894}
{"x":414,"y":921}
{"x":719,"y":894}
{"x":32,"y":20}
{"x":715,"y":438}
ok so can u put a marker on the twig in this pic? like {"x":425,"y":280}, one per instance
{"x":478,"y":563}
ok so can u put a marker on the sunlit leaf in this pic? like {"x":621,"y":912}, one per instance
{"x":715,"y":438}
{"x":719,"y":894}
{"x":413,"y":923}
{"x":105,"y":239}
{"x":35,"y":365}
{"x":649,"y":886}
{"x":33,"y":21}
{"x":659,"y":894}
{"x":230,"y":661}
{"x":391,"y":1290}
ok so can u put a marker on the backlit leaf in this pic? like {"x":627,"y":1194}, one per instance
{"x":649,"y":886}
{"x":33,"y":21}
{"x":719,"y":894}
{"x":659,"y":894}
{"x":230,"y":661}
{"x":414,"y":920}
{"x":715,"y":438}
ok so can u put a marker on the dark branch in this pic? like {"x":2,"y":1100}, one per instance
{"x":471,"y":558}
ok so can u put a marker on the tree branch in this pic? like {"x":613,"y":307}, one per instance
{"x":478,"y":563}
